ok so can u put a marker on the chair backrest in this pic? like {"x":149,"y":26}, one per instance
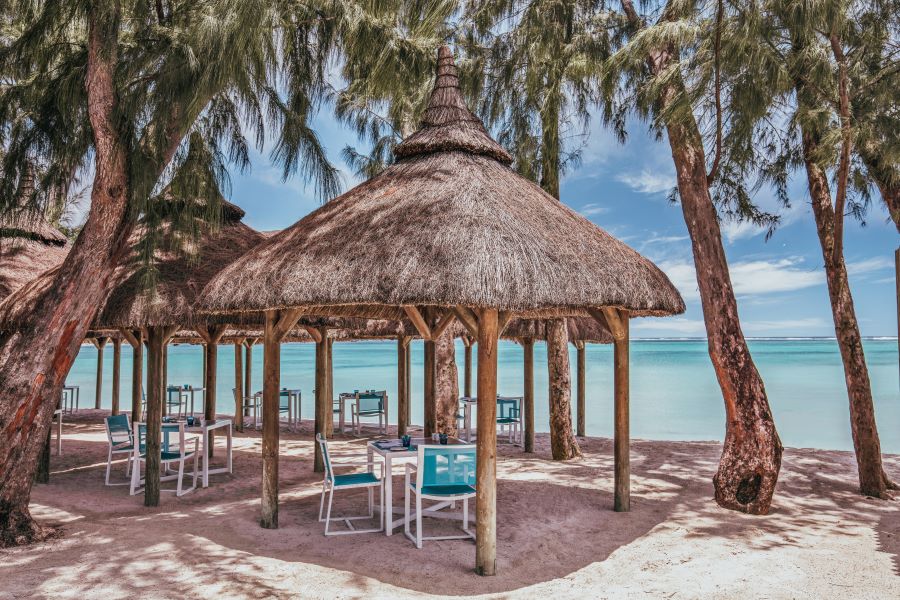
{"x":117,"y":429}
{"x":284,"y":399}
{"x":508,"y":407}
{"x":166,"y":443}
{"x":323,"y":445}
{"x":370,"y":401}
{"x":451,"y":464}
{"x":174,"y":389}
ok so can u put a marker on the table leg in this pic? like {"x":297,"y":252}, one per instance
{"x":388,"y":496}
{"x":59,"y":434}
{"x":205,"y":456}
{"x":341,"y":416}
{"x":229,"y":449}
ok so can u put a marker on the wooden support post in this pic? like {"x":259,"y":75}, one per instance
{"x":486,"y":469}
{"x":321,"y":395}
{"x":212,"y":335}
{"x":617,"y":321}
{"x":467,"y":373}
{"x":329,"y":404}
{"x":136,"y":340}
{"x":238,"y":384}
{"x":580,"y":346}
{"x":117,"y":374}
{"x":402,"y":392}
{"x":248,"y":367}
{"x":528,"y":351}
{"x":409,"y":382}
{"x":429,"y":396}
{"x":165,"y":376}
{"x":157,"y":337}
{"x":99,"y":343}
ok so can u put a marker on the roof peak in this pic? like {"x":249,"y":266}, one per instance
{"x":448,"y":124}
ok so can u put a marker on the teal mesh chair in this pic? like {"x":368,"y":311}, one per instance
{"x":370,"y":405}
{"x":174,"y":448}
{"x":365,"y":480}
{"x":118,"y":433}
{"x":445,"y":473}
{"x":509,"y":417}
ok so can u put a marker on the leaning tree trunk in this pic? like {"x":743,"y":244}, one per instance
{"x":563,"y":444}
{"x":751,"y":456}
{"x":446,"y":385}
{"x":38,"y":358}
{"x":873,"y":481}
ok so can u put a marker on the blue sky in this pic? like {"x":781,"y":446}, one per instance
{"x":622,"y":188}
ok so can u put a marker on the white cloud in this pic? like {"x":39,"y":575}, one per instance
{"x":740,"y":230}
{"x":648,"y":182}
{"x":870,"y":265}
{"x":749,"y":278}
{"x":592,"y":208}
{"x":679,"y":325}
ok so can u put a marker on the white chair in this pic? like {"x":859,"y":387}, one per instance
{"x":366,"y":479}
{"x":370,"y":405}
{"x":119,"y":435}
{"x":249,"y":405}
{"x":168,"y":456}
{"x":445,"y":473}
{"x":509,"y":416}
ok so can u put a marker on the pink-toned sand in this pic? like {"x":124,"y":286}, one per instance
{"x":557,"y":534}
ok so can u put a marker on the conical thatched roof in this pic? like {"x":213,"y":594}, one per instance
{"x":181,"y":277}
{"x":449,"y":224}
{"x":28,"y":246}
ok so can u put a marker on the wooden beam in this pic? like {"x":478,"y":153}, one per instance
{"x":581,"y":378}
{"x":621,"y":441}
{"x":442,"y":325}
{"x":271,"y":383}
{"x":503,"y":320}
{"x":132,"y":337}
{"x":287,"y":320}
{"x":313,"y":333}
{"x":418,"y":321}
{"x":528,"y":400}
{"x":468,"y":319}
{"x":467,"y":368}
{"x":486,"y":453}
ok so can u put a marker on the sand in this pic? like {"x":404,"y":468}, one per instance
{"x":557,"y":534}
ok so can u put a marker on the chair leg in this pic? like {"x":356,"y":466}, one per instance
{"x":180,"y":476}
{"x":108,"y":463}
{"x":465,"y":513}
{"x":328,"y":514}
{"x":322,"y":502}
{"x":418,"y":521}
{"x":196,"y":467}
{"x":128,"y":467}
{"x":405,"y":509}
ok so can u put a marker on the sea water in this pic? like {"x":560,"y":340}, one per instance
{"x":674,"y":393}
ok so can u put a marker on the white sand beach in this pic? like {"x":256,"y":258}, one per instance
{"x":557,"y":535}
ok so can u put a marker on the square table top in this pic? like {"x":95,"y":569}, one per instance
{"x":394,"y":447}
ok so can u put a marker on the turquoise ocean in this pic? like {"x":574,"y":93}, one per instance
{"x":674,"y":394}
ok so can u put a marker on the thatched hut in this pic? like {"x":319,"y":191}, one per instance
{"x":449,"y":229}
{"x":28,"y":246}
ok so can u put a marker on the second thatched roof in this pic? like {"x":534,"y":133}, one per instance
{"x":449,"y":224}
{"x":28,"y":247}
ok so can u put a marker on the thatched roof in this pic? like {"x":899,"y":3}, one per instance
{"x":449,"y":224}
{"x":28,"y":246}
{"x":581,"y":329}
{"x":181,"y":275}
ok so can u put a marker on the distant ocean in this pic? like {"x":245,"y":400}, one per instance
{"x":674,"y":394}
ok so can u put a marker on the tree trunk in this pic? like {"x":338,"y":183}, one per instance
{"x":157,"y":339}
{"x":563,"y":444}
{"x":873,"y":481}
{"x":486,"y":445}
{"x":402,"y":391}
{"x":329,"y":396}
{"x":238,"y":385}
{"x":35,"y":361}
{"x":117,"y":375}
{"x":42,"y":474}
{"x":321,"y":396}
{"x":446,"y":385}
{"x":581,"y":375}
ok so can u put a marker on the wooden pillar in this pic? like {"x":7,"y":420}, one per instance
{"x":211,"y":334}
{"x":278,"y":323}
{"x":321,"y":394}
{"x":99,"y":343}
{"x":402,"y":391}
{"x":467,"y":373}
{"x":117,"y":374}
{"x":248,"y":367}
{"x":580,"y":346}
{"x":329,"y":402}
{"x":136,"y":339}
{"x":617,"y":321}
{"x":486,"y":469}
{"x":165,"y":376}
{"x":157,"y":338}
{"x":205,"y":363}
{"x":409,"y":383}
{"x":429,"y":397}
{"x":238,"y":384}
{"x":528,"y":352}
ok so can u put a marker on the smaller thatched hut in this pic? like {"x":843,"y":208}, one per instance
{"x":28,"y":247}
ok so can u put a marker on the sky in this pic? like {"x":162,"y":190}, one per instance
{"x":780,"y":282}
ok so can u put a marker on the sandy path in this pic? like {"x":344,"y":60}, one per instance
{"x":557,"y":534}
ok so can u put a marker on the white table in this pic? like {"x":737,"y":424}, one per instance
{"x":204,"y":429}
{"x":193,"y":390}
{"x":388,"y":456}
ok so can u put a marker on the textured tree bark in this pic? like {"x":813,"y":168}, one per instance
{"x":100,"y":344}
{"x":751,"y":457}
{"x":271,"y":379}
{"x":402,"y":392}
{"x":117,"y":374}
{"x":321,"y":396}
{"x":35,"y":361}
{"x":486,"y":446}
{"x":429,"y":395}
{"x":873,"y":481}
{"x":446,"y":385}
{"x":467,"y":375}
{"x":42,"y":474}
{"x":563,"y":444}
{"x":580,"y":374}
{"x":528,"y":351}
{"x":238,"y":384}
{"x":157,"y":338}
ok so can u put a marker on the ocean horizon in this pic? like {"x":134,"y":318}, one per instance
{"x":674,"y":393}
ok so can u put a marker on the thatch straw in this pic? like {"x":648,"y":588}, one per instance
{"x":449,"y":224}
{"x":28,"y":247}
{"x":581,"y":329}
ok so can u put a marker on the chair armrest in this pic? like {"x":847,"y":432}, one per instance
{"x":340,"y":465}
